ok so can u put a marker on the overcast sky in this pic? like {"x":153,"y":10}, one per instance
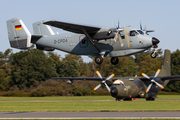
{"x":163,"y":16}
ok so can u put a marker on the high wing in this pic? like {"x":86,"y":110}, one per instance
{"x":79,"y":78}
{"x":171,"y":78}
{"x":75,"y":28}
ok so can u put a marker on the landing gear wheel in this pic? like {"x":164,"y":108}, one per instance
{"x":127,"y":99}
{"x":98,"y":59}
{"x":150,"y":99}
{"x":153,"y":55}
{"x":118,"y":99}
{"x":114,"y":60}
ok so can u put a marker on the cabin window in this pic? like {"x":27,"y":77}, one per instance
{"x":122,"y":36}
{"x":83,"y":41}
{"x":133,"y":33}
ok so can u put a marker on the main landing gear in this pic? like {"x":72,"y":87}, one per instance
{"x":114,"y":60}
{"x":98,"y":59}
{"x":150,"y":99}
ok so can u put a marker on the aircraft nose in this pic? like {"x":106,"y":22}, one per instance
{"x":114,"y":91}
{"x":155,"y":41}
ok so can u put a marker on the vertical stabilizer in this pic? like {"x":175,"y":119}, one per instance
{"x":166,"y":65}
{"x":19,"y":36}
{"x":41,"y":29}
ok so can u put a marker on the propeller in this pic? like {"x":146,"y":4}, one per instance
{"x":103,"y":81}
{"x":152,"y":81}
{"x":144,"y":30}
{"x":118,"y":34}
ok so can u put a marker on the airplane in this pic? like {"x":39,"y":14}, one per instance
{"x":87,"y":40}
{"x":128,"y":88}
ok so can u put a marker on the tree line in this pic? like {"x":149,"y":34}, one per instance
{"x":28,"y":72}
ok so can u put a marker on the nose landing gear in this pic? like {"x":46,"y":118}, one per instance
{"x":155,"y":41}
{"x":154,"y":54}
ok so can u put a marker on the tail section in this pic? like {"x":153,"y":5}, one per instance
{"x":166,"y":66}
{"x":19,"y":36}
{"x":41,"y":29}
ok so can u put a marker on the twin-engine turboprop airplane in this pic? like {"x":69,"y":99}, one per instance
{"x":138,"y":87}
{"x":85,"y":40}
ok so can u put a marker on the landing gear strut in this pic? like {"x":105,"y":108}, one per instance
{"x":154,"y":54}
{"x":150,"y":99}
{"x":118,"y":99}
{"x":114,"y":60}
{"x":98,"y":59}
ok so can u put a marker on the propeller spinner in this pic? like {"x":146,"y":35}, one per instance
{"x":152,"y":81}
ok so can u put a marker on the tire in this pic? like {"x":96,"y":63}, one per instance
{"x":114,"y":60}
{"x":98,"y":59}
{"x":153,"y":55}
{"x":127,"y":99}
{"x":150,"y":99}
{"x":118,"y":99}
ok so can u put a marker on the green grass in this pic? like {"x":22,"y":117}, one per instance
{"x":87,"y":103}
{"x":94,"y":119}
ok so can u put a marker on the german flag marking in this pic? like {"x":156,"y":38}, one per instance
{"x":18,"y":27}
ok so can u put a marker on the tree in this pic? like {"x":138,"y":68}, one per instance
{"x":175,"y":70}
{"x":30,"y":66}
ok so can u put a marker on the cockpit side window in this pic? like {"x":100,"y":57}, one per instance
{"x":141,"y":32}
{"x":133,"y":33}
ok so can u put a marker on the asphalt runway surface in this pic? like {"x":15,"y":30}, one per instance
{"x":89,"y":115}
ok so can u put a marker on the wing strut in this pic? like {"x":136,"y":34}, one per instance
{"x":90,"y":39}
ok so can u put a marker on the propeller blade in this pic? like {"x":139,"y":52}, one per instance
{"x":157,"y":73}
{"x":110,"y":77}
{"x":149,"y":87}
{"x":97,"y":86}
{"x":107,"y":87}
{"x":158,"y":84}
{"x":120,"y":39}
{"x":140,"y":26}
{"x":143,"y":74}
{"x":99,"y":74}
{"x":116,"y":36}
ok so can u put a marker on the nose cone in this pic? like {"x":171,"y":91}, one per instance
{"x":155,"y":41}
{"x":114,"y":91}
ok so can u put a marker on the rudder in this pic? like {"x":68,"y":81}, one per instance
{"x":166,"y":66}
{"x":19,"y":36}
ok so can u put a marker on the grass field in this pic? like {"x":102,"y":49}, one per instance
{"x":87,"y":103}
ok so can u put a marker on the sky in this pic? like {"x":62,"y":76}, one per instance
{"x":163,"y":16}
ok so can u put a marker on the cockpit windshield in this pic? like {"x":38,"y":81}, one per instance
{"x":141,"y":32}
{"x":120,"y":84}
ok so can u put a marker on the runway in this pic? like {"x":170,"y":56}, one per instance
{"x":89,"y":115}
